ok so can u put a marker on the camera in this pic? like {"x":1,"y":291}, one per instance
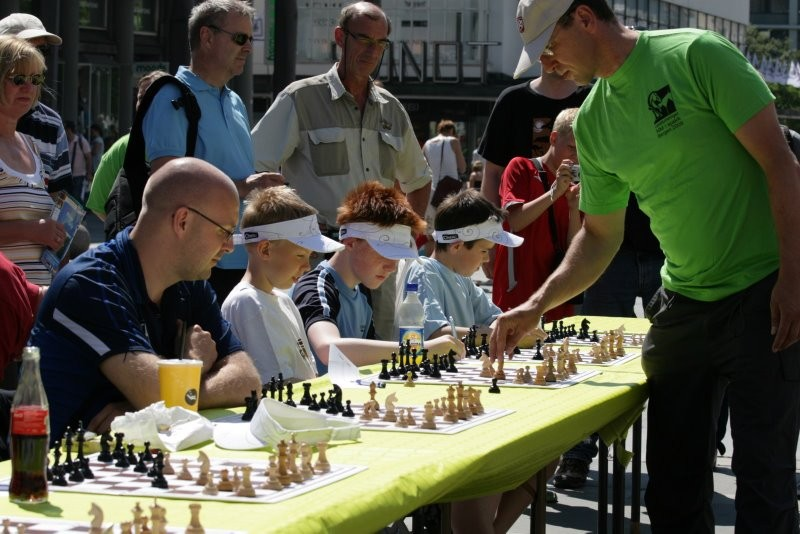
{"x":576,"y":174}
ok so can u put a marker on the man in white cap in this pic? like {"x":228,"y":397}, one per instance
{"x":375,"y":226}
{"x":42,"y":123}
{"x":681,"y":118}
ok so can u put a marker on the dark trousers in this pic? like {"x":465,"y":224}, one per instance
{"x":691,"y":353}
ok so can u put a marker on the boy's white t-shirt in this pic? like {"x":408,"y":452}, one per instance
{"x":269,"y":326}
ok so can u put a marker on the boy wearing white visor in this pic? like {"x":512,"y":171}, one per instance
{"x":467,"y":226}
{"x":279,"y":231}
{"x":375,"y":226}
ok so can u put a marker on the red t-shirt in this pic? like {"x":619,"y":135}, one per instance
{"x":532,"y":262}
{"x":18,"y":299}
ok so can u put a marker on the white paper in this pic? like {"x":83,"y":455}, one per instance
{"x":341,"y":370}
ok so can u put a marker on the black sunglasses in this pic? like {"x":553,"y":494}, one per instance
{"x":21,"y":79}
{"x":239,"y":38}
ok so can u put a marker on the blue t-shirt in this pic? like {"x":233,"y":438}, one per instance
{"x":445,"y":293}
{"x":322,"y":295}
{"x":98,"y":307}
{"x":223,"y":136}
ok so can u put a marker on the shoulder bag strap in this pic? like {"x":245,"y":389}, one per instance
{"x":551,"y":213}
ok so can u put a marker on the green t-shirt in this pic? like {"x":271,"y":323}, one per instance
{"x":106,"y":173}
{"x":663,"y":127}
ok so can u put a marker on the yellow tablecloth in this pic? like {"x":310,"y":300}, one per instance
{"x":408,"y":470}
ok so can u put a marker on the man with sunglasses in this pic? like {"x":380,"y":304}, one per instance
{"x":42,"y":123}
{"x":681,"y":118}
{"x":220,"y":39}
{"x":332,"y":132}
{"x":113,"y":312}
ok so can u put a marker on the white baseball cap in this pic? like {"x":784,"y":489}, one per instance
{"x":536,"y":20}
{"x":27,"y":26}
{"x":303,"y":232}
{"x":274,"y":421}
{"x":393,"y":242}
{"x":490,"y":229}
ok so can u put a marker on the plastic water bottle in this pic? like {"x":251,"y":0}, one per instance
{"x":411,"y":319}
{"x":30,"y":434}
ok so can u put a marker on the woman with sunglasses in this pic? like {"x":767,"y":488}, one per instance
{"x":25,"y":224}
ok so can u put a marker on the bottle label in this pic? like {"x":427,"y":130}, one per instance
{"x":413,"y":335}
{"x":29,"y":420}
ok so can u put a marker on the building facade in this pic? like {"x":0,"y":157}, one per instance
{"x":448,"y":58}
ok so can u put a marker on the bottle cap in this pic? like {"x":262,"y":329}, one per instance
{"x":411,"y":287}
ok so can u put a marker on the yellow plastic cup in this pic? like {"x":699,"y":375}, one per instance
{"x":179,"y":382}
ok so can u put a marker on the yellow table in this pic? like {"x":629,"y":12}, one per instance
{"x":407,"y":470}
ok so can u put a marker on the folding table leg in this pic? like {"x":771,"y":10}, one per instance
{"x":539,"y":507}
{"x":618,"y":505}
{"x":602,"y":489}
{"x":636,"y":472}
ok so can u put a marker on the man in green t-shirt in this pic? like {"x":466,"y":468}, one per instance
{"x":682,"y":120}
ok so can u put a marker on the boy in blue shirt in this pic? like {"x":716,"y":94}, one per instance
{"x":467,"y":226}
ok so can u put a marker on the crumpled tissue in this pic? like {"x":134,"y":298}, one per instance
{"x":173,"y":429}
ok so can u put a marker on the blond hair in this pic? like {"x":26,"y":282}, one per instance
{"x":17,"y":55}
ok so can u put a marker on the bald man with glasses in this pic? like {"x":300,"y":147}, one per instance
{"x":332,"y":132}
{"x":114,"y":312}
{"x":220,"y":40}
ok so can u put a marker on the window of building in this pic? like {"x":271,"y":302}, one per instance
{"x":93,"y":14}
{"x":145,"y":16}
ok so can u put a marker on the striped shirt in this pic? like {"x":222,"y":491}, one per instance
{"x":45,"y":127}
{"x":25,"y":199}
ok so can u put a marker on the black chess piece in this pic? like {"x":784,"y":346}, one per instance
{"x":314,"y":407}
{"x":132,"y":459}
{"x":250,"y":406}
{"x":323,"y":404}
{"x":158,"y":477}
{"x":58,"y":476}
{"x":494,"y":388}
{"x":68,"y":447}
{"x":394,"y":371}
{"x":56,"y":460}
{"x":86,"y":469}
{"x":148,"y":455}
{"x":595,"y":338}
{"x":140,"y":466}
{"x":435,"y":371}
{"x":451,"y":358}
{"x":538,"y":355}
{"x":336,"y":397}
{"x":105,"y":448}
{"x":332,"y":409}
{"x":289,"y":393}
{"x":306,"y":399}
{"x":75,"y":474}
{"x":273,"y":387}
{"x":348,"y":410}
{"x":119,"y":448}
{"x":384,"y":374}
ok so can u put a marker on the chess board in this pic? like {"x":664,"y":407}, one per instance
{"x":526,"y":356}
{"x":629,"y":340}
{"x":46,"y":525}
{"x":469,"y":374}
{"x":111,"y":480}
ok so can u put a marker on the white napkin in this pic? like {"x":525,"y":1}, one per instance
{"x":173,"y":429}
{"x":275,"y":421}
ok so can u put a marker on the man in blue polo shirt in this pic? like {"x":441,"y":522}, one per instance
{"x":113,"y":313}
{"x":220,"y":39}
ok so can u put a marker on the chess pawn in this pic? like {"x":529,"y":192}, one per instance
{"x":366,"y":414}
{"x":541,"y":372}
{"x":410,"y":421}
{"x":273,"y":482}
{"x":185,"y":474}
{"x":168,"y":469}
{"x":520,"y":376}
{"x":322,"y":465}
{"x":526,"y":375}
{"x":428,"y":422}
{"x":478,"y":404}
{"x":437,"y":410}
{"x":574,"y":357}
{"x":551,"y":371}
{"x":500,"y":374}
{"x":409,"y":383}
{"x":305,"y":454}
{"x":224,"y":483}
{"x":401,"y":421}
{"x":210,"y":488}
{"x":294,"y":450}
{"x":237,"y":482}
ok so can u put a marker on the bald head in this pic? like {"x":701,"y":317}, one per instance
{"x":182,"y":182}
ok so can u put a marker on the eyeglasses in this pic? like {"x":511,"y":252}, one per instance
{"x":21,"y":79}
{"x":366,"y":40}
{"x":226,"y":233}
{"x":239,"y":38}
